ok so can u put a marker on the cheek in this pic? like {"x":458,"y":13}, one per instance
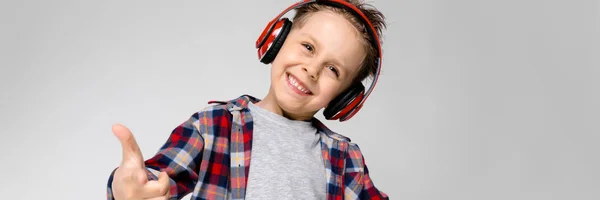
{"x":280,"y":63}
{"x":329,"y":90}
{"x":286,"y":53}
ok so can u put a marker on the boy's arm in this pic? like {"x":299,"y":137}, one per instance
{"x":358,"y":183}
{"x":179,"y":157}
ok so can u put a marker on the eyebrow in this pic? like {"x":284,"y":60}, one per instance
{"x":336,"y":61}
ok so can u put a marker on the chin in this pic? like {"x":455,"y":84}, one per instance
{"x":290,"y":102}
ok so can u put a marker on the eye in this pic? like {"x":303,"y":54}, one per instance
{"x":334,"y":70}
{"x":308,"y":47}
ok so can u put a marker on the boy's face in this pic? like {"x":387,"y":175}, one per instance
{"x":316,"y":63}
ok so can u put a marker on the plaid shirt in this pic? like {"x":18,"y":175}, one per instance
{"x":209,"y":155}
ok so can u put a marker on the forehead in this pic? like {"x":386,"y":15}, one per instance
{"x":335,"y":36}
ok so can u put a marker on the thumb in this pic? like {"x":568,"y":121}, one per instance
{"x":132,"y":155}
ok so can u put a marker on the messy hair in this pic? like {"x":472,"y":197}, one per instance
{"x":377,"y":19}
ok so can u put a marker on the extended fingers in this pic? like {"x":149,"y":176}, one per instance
{"x":132,"y":155}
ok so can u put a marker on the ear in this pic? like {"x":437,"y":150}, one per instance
{"x":268,"y":51}
{"x":344,"y":102}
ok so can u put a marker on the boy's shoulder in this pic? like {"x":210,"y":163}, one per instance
{"x":229,"y":106}
{"x":224,"y":108}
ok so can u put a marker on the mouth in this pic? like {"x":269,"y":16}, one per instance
{"x":297,"y":85}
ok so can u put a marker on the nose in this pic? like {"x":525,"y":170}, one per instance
{"x":312,"y":71}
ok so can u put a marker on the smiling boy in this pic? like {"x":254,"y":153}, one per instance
{"x":273,"y":148}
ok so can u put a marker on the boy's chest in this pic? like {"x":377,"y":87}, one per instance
{"x":237,"y":161}
{"x":286,"y":165}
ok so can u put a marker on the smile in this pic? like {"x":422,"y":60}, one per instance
{"x":297,"y":85}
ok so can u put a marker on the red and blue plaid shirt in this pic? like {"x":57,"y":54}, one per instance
{"x":209,"y":155}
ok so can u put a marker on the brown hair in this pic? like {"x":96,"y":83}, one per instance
{"x":369,"y":64}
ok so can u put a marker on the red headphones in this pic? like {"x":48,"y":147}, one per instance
{"x":349,"y":102}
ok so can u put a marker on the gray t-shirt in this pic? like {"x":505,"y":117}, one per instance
{"x":286,"y":161}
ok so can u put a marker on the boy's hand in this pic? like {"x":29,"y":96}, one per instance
{"x":130,"y":180}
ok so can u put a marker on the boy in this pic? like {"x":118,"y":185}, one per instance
{"x":274,"y":148}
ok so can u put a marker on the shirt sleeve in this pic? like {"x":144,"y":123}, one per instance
{"x":357,"y":181}
{"x":180,"y":156}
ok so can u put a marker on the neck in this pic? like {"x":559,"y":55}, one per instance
{"x":270,"y":103}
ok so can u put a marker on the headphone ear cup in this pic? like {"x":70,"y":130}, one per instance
{"x":273,"y":45}
{"x":344,"y":102}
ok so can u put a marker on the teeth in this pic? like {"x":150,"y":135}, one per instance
{"x":295,"y":83}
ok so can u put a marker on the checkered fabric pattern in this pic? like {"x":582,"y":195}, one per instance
{"x":209,"y":156}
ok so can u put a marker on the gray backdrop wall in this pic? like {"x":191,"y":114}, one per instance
{"x":477,"y":100}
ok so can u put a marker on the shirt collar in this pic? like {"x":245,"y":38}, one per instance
{"x":241,"y":104}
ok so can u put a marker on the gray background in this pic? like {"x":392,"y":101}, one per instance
{"x":478,"y":99}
